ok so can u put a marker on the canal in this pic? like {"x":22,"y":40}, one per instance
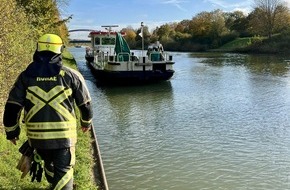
{"x":221,"y":122}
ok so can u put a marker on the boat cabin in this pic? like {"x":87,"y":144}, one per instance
{"x":155,"y":52}
{"x":103,"y":41}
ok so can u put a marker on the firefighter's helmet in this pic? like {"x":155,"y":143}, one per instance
{"x":50,"y":42}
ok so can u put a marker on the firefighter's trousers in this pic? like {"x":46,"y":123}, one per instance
{"x":58,"y":167}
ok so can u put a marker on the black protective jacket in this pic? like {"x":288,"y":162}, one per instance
{"x":47,"y":91}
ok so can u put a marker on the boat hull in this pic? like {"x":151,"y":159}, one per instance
{"x":129,"y":77}
{"x":112,"y":61}
{"x":89,"y":58}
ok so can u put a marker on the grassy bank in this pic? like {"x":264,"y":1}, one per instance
{"x":235,"y":44}
{"x":277,"y":44}
{"x":9,"y":156}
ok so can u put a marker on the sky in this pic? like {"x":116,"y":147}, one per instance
{"x":92,"y":14}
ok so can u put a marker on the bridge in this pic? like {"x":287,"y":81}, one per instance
{"x":86,"y":42}
{"x":81,"y":30}
{"x":77,"y":41}
{"x":80,"y":41}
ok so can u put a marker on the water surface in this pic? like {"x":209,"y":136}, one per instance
{"x":221,"y":122}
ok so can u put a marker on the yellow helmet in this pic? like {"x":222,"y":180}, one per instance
{"x":50,"y":42}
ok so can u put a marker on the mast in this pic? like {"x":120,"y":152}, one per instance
{"x":142,"y":36}
{"x":109,"y":27}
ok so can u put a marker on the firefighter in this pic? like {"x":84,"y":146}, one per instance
{"x":47,"y":91}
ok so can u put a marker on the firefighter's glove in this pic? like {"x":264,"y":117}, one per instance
{"x":36,"y":168}
{"x":24,"y":164}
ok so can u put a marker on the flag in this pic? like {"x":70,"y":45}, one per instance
{"x":141,"y":33}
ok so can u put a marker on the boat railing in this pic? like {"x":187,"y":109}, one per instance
{"x":123,"y":57}
{"x":156,"y":56}
{"x":106,"y":57}
{"x":159,"y":56}
{"x":167,"y":56}
{"x":101,"y":57}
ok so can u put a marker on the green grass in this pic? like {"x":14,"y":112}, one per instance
{"x":247,"y":44}
{"x":237,"y":43}
{"x":9,"y":156}
{"x":68,"y":59}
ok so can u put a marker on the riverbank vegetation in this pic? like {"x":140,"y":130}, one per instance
{"x":266,"y":30}
{"x":10,"y":176}
{"x":21,"y":23}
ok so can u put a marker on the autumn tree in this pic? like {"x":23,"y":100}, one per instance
{"x":145,"y":35}
{"x":130,"y":36}
{"x":21,"y":24}
{"x":163,"y":31}
{"x":182,"y":26}
{"x":208,"y":27}
{"x":237,"y":22}
{"x":267,"y":16}
{"x":45,"y":17}
{"x":200,"y":25}
{"x":16,"y":46}
{"x":182,"y":34}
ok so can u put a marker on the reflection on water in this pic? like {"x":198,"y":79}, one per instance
{"x":133,"y":106}
{"x":221,"y":122}
{"x":263,"y":64}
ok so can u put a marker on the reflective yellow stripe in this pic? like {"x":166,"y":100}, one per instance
{"x":86,"y":122}
{"x":37,"y":106}
{"x":61,"y":109}
{"x":62,"y":73}
{"x":54,"y":98}
{"x":42,"y":130}
{"x":51,"y":134}
{"x":9,"y":129}
{"x":64,"y":180}
{"x":49,"y":173}
{"x":50,"y":43}
{"x":50,"y":125}
{"x":73,"y":155}
{"x":45,"y":129}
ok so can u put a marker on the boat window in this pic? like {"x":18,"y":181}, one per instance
{"x":108,"y":41}
{"x":97,"y":41}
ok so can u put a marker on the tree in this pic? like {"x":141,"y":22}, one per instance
{"x":208,"y":27}
{"x":45,"y":17}
{"x":17,"y":42}
{"x":165,"y":34}
{"x":236,"y":22}
{"x":200,"y":25}
{"x":218,"y":26}
{"x":130,"y":36}
{"x":163,"y":31}
{"x":183,"y":26}
{"x":21,"y":24}
{"x":266,"y":15}
{"x":145,"y":35}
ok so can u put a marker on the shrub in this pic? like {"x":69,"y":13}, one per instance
{"x":16,"y":46}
